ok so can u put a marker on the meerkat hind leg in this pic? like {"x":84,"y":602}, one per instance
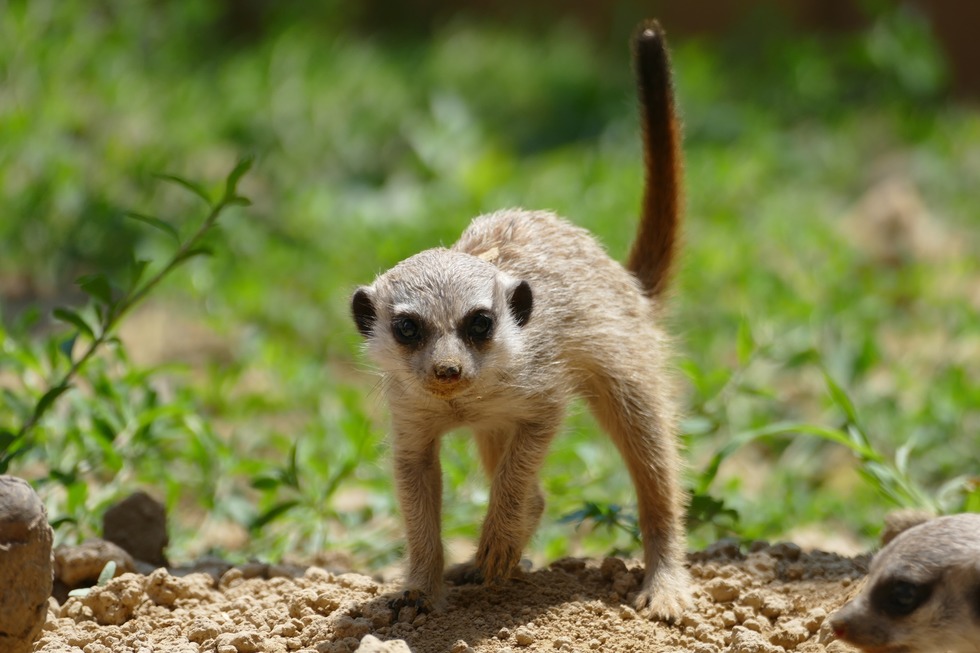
{"x":633,"y":415}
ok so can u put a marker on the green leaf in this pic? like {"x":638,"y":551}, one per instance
{"x":108,"y":572}
{"x":49,"y":398}
{"x":272,"y":514}
{"x":194,"y":188}
{"x":67,"y":345}
{"x":231,"y":183}
{"x":156,"y":223}
{"x":238,"y":200}
{"x":266,"y":483}
{"x":96,"y":286}
{"x":193,"y":252}
{"x":841,"y":399}
{"x":7,"y":438}
{"x":136,"y":271}
{"x":76,"y":320}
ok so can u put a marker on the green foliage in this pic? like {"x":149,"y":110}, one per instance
{"x":254,"y":419}
{"x":107,"y":574}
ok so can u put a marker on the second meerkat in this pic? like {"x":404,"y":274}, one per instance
{"x":499,"y":331}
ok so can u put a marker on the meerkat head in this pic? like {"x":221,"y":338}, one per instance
{"x":922,"y":592}
{"x":443,"y":321}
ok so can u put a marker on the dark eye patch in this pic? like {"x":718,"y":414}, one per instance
{"x":975,"y":596}
{"x":407,"y":329}
{"x":900,"y":598}
{"x":477,"y":327}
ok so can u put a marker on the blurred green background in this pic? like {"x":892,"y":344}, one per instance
{"x":831,"y":233}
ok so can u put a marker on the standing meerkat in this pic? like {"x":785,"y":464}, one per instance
{"x":498,"y":332}
{"x":922,"y":594}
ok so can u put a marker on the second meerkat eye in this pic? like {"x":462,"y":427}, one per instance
{"x":407,"y":330}
{"x":899,"y":598}
{"x":479,"y":327}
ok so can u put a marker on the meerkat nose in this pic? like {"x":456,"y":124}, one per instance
{"x":448,"y":371}
{"x":839,"y":628}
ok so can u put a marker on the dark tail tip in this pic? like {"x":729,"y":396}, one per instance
{"x":651,"y":258}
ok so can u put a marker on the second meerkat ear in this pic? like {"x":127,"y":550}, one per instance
{"x":362,"y":308}
{"x":520,"y":300}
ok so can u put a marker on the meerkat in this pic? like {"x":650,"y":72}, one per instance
{"x":500,"y":331}
{"x":922,"y":594}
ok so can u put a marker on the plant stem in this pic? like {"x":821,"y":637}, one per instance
{"x":117,"y":310}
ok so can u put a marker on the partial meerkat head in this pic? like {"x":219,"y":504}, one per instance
{"x":443,"y":321}
{"x":922,"y":593}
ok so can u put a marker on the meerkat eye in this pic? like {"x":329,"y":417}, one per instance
{"x":407,"y":330}
{"x":900,"y":598}
{"x":480,"y":327}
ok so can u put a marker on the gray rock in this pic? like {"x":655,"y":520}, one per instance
{"x":25,"y":565}
{"x":138,"y":524}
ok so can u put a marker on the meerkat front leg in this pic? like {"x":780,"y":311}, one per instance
{"x":418,"y":479}
{"x":512,"y":461}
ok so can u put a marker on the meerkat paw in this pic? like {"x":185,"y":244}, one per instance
{"x":465,"y":573}
{"x":665,"y":595}
{"x":498,"y":562}
{"x":408,"y":604}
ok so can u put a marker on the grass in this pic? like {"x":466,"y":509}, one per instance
{"x":821,"y":366}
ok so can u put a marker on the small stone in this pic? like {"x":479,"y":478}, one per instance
{"x":762,"y":564}
{"x":612,"y":567}
{"x":774,"y":606}
{"x":503,"y":633}
{"x":524,"y":636}
{"x":747,"y":641}
{"x":814,"y":619}
{"x":786,"y":550}
{"x":371,"y":644}
{"x":752,"y":624}
{"x":790,"y":634}
{"x":722,"y":590}
{"x":79,"y":566}
{"x":138,"y":525}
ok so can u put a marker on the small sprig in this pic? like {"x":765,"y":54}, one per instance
{"x":110,"y":308}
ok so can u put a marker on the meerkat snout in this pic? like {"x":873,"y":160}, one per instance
{"x":448,"y":370}
{"x":922,"y":593}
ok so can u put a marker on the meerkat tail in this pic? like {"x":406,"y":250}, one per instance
{"x":652,"y":255}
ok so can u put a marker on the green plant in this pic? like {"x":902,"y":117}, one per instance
{"x":107,"y":573}
{"x":118,"y":422}
{"x":110,"y":304}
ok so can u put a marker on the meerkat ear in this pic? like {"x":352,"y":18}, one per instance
{"x":362,"y":308}
{"x":520,"y":301}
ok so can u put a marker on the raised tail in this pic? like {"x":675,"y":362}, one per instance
{"x":652,"y":256}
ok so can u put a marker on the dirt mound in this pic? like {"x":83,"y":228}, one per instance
{"x":768,"y":599}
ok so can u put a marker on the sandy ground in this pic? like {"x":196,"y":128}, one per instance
{"x":766,"y":599}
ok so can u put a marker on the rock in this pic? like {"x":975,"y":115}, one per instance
{"x":371,"y":644}
{"x":25,"y":565}
{"x":722,"y":590}
{"x":138,"y":524}
{"x":80,"y":566}
{"x":747,"y":641}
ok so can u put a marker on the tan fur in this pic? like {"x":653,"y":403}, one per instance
{"x":922,"y":594}
{"x":566,"y":320}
